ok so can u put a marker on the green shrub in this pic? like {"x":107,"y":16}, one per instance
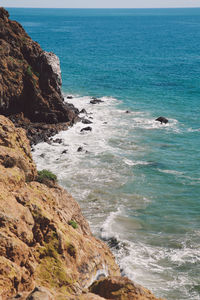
{"x":73,"y":224}
{"x":29,"y":71}
{"x":46,"y":175}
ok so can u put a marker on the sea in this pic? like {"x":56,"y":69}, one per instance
{"x":136,"y":180}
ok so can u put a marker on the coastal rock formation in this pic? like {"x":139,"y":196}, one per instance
{"x":39,"y":244}
{"x":30,"y":83}
{"x":47,"y":250}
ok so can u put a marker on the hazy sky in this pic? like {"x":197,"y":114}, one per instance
{"x":100,"y":3}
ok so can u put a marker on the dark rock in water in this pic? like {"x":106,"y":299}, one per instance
{"x":105,"y":122}
{"x":127,"y":112}
{"x":69,"y":97}
{"x":96,"y":101}
{"x":162,"y":120}
{"x":80,"y":149}
{"x":64,"y":151}
{"x":86,"y":129}
{"x":86,"y":121}
{"x":83,"y":111}
{"x":58,"y":141}
{"x":113,"y":243}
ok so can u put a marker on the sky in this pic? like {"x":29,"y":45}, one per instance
{"x":101,"y":3}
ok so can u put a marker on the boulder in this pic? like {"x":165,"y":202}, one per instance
{"x":86,"y":121}
{"x":80,"y":149}
{"x":40,"y":293}
{"x":83,"y":111}
{"x":96,"y":101}
{"x":120,"y":288}
{"x":162,"y":120}
{"x":64,"y":151}
{"x":86,"y":129}
{"x":58,"y":141}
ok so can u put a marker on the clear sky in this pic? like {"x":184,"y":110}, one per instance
{"x":100,"y":3}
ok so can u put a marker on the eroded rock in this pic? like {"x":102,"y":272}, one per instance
{"x":30,"y":91}
{"x":38,"y":247}
{"x":120,"y":288}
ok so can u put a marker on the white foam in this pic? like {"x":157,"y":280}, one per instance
{"x":136,"y":163}
{"x":94,"y":178}
{"x":173,"y":172}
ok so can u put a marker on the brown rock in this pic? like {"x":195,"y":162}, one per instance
{"x":37,"y":244}
{"x":30,"y":81}
{"x":40,"y":293}
{"x":120,"y":288}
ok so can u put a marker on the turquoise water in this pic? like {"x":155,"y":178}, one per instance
{"x":139,"y":181}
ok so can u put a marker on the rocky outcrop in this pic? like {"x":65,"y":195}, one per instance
{"x":39,"y":246}
{"x":30,"y":82}
{"x":120,"y":288}
{"x":47,"y":250}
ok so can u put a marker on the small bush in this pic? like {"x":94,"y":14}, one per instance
{"x":46,"y":175}
{"x":29,"y":71}
{"x":73,"y":224}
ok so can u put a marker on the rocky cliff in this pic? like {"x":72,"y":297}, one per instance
{"x":46,"y":248}
{"x":30,"y":83}
{"x":47,"y":251}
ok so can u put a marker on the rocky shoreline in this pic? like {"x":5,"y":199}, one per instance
{"x":47,"y":250}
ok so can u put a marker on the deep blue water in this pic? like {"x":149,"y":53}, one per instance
{"x":149,"y":61}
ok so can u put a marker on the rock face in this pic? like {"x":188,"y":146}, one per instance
{"x":47,"y":250}
{"x":37,"y":245}
{"x":30,"y":81}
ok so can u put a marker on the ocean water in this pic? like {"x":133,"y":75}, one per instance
{"x":137,"y":181}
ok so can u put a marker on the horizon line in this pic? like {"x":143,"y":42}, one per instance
{"x":103,"y":7}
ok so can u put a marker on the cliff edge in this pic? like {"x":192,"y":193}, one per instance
{"x":30,"y":84}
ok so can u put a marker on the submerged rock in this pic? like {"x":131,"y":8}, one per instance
{"x":96,"y":101}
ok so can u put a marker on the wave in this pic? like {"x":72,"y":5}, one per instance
{"x":148,"y":262}
{"x":100,"y":176}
